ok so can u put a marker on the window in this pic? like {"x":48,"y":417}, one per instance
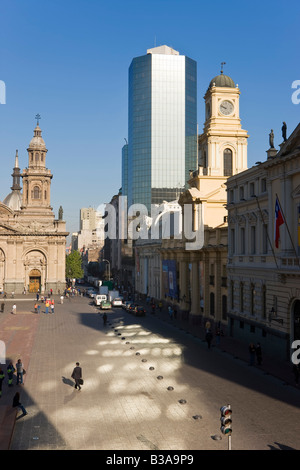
{"x":243,"y":241}
{"x":224,"y":307}
{"x":241,"y":297}
{"x":36,"y":193}
{"x":227,"y":162}
{"x":253,"y":239}
{"x":263,"y":185}
{"x":212,"y":304}
{"x":242,"y":196}
{"x":265,"y":239}
{"x":252,"y":192}
{"x":232,"y":241}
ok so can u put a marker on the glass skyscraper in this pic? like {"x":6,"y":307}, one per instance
{"x":162,"y":127}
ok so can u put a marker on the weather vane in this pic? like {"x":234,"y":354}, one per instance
{"x":222,"y":63}
{"x":37,"y":117}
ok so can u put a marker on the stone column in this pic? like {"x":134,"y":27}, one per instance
{"x":183,"y":283}
{"x":195,"y":313}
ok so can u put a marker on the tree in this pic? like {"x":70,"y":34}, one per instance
{"x":74,"y":265}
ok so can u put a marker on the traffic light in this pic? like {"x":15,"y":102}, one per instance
{"x":226,"y":420}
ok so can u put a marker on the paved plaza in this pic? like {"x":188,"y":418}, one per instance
{"x":148,"y":385}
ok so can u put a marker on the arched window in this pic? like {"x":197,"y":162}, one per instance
{"x":227,"y":162}
{"x":36,"y":193}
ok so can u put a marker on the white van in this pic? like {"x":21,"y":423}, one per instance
{"x":99,"y":298}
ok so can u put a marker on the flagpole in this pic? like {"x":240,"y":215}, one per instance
{"x":287,"y":227}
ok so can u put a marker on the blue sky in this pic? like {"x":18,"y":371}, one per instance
{"x":68,"y":60}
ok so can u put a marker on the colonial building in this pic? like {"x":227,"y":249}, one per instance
{"x":264,"y":248}
{"x":32,"y":240}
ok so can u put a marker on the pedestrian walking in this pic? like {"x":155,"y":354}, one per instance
{"x":2,"y":307}
{"x":52,"y":307}
{"x":160,"y":305}
{"x":77,"y":376}
{"x":18,"y":404}
{"x":39,"y":308}
{"x":20,"y":372}
{"x":153,"y":307}
{"x":47,"y":306}
{"x":252,"y":352}
{"x":208,"y":338}
{"x":1,"y":381}
{"x":35,"y":308}
{"x":14,"y":309}
{"x":10,"y":373}
{"x":37,"y":296}
{"x":258,"y":354}
{"x":61,"y":299}
{"x":170,"y":310}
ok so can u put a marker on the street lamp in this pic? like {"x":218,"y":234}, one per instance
{"x":108,"y":268}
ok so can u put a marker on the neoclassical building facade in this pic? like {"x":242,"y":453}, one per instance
{"x":264,"y":270}
{"x":32,"y":240}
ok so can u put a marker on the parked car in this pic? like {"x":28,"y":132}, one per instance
{"x":105,"y":305}
{"x":117,"y":302}
{"x":139,"y":311}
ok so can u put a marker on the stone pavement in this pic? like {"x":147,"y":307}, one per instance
{"x":24,"y":332}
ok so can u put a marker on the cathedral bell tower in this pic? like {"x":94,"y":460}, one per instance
{"x":223,"y":145}
{"x":37,"y":178}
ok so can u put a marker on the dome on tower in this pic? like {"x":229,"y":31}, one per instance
{"x":37,"y":142}
{"x":13,"y":200}
{"x":222,"y":81}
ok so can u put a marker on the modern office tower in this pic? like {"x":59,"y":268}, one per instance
{"x":162,"y":127}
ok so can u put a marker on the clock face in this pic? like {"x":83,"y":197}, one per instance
{"x":226,"y":107}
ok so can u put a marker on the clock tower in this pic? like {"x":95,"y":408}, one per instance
{"x":223,"y":144}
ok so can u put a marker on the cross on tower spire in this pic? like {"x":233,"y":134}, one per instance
{"x":37,"y":117}
{"x":222,"y":63}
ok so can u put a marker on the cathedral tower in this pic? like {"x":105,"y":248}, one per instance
{"x":37,"y":178}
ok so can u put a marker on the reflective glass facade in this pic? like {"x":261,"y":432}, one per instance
{"x":162,"y":127}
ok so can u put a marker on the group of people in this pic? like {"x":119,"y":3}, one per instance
{"x":49,"y":306}
{"x":19,"y":369}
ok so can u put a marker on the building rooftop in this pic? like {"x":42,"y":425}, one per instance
{"x":163,"y":50}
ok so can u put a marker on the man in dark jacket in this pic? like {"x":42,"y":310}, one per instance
{"x":77,"y":375}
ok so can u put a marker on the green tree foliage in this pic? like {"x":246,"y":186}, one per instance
{"x":74,"y":265}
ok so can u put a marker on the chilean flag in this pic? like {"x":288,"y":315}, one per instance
{"x":278,"y":221}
